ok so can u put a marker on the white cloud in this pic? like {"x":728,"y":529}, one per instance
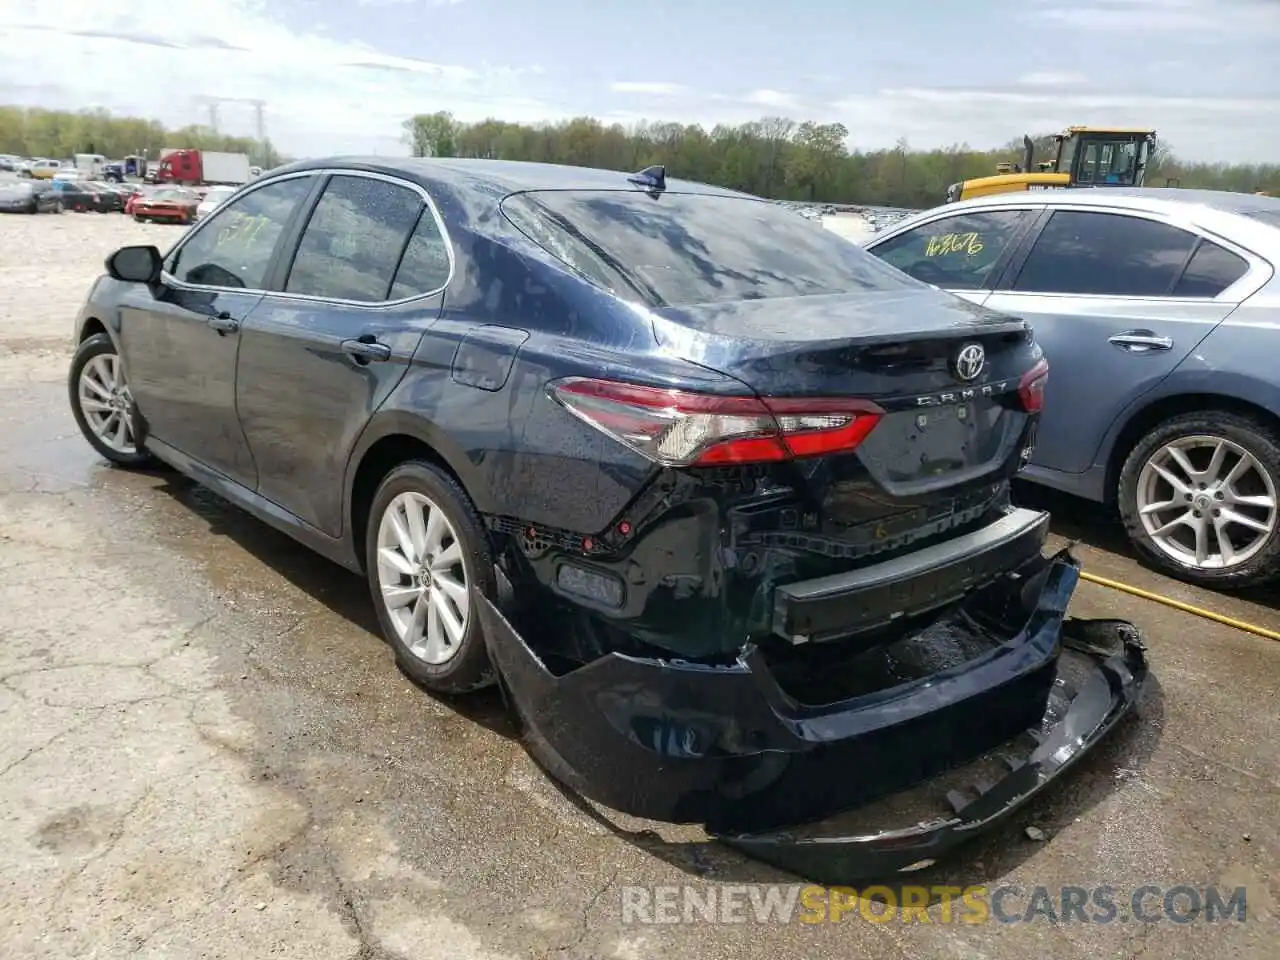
{"x":777,"y":99}
{"x":1050,"y":79}
{"x":1185,"y":17}
{"x":153,"y":58}
{"x":1206,"y":128}
{"x":650,"y":88}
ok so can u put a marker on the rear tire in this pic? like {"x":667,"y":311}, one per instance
{"x":427,"y":559}
{"x":1229,"y":492}
{"x":100,"y":400}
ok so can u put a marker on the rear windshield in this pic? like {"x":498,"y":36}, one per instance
{"x":680,"y":249}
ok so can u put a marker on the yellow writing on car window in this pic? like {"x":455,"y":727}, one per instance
{"x":969,"y":244}
{"x":243,"y":230}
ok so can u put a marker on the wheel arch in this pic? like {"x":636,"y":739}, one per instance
{"x":91,"y":327}
{"x":1146,"y":418}
{"x":389,"y":440}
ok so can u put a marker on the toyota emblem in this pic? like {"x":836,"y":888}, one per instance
{"x":969,"y":361}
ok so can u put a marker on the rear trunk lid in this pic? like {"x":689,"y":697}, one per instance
{"x":945,"y":372}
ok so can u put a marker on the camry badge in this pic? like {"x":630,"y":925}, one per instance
{"x":969,"y":362}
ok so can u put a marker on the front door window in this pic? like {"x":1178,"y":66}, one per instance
{"x":957,"y":253}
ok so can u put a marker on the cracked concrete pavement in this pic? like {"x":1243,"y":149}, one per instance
{"x":207,"y":750}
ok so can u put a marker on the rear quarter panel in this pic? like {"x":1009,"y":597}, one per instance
{"x":512,"y":322}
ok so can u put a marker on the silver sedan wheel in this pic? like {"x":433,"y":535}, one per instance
{"x":1207,"y":502}
{"x":105,"y":402}
{"x":423,"y":578}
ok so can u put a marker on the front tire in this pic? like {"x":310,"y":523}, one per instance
{"x":427,"y":559}
{"x":1198,"y":496}
{"x":101,"y":402}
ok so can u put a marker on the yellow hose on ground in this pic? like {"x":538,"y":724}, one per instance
{"x":1179,"y":605}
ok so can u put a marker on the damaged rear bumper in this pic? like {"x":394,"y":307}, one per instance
{"x":726,"y":746}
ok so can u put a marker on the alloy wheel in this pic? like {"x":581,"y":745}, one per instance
{"x":1207,"y":502}
{"x":106,"y":404}
{"x":422,"y":578}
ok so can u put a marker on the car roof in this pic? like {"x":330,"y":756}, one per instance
{"x":488,"y":176}
{"x":1165,"y":199}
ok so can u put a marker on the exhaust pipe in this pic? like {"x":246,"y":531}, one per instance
{"x":1028,"y":153}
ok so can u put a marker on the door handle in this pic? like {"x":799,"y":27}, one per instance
{"x":366,"y":349}
{"x":1141,"y":341}
{"x":224,"y":323}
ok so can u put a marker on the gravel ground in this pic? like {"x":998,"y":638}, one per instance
{"x":207,"y":751}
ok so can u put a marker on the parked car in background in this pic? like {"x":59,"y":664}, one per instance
{"x":727,"y":453}
{"x":111,"y":196}
{"x":28,"y":196}
{"x":77,"y":195}
{"x":1158,"y":311}
{"x":212,"y":198}
{"x":166,"y":205}
{"x":133,"y":193}
{"x":42,"y":169}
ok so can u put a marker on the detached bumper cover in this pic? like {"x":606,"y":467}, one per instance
{"x":727,"y":747}
{"x":828,"y":855}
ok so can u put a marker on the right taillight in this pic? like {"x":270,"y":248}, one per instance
{"x":1031,"y":387}
{"x":681,"y":428}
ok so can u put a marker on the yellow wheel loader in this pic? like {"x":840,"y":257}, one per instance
{"x":1084,"y":157}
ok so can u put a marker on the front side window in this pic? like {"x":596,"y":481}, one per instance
{"x":354,"y":240}
{"x":957,"y":252}
{"x":1105,"y":254}
{"x":235,"y":245}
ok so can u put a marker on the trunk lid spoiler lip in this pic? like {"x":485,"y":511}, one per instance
{"x":762,"y":327}
{"x":687,"y":742}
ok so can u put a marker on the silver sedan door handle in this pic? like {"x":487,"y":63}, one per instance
{"x":1141,"y":341}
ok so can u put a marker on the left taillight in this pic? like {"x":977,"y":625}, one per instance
{"x":681,"y":428}
{"x":1031,"y":387}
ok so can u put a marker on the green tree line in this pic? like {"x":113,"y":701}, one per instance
{"x":60,"y":134}
{"x":771,"y":157}
{"x":781,"y":158}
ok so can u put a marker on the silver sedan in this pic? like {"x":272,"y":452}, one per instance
{"x":1159,"y":313}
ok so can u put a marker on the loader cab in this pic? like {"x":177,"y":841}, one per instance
{"x":1083,"y":157}
{"x":1102,"y":157}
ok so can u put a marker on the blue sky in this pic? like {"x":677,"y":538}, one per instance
{"x":340,"y":75}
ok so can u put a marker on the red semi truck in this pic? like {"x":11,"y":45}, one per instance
{"x":202,"y":168}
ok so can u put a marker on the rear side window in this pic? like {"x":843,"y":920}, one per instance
{"x":955,"y":252}
{"x":680,"y":249}
{"x":354,"y":239}
{"x":1105,"y":254}
{"x":1211,"y":270}
{"x":425,"y":265}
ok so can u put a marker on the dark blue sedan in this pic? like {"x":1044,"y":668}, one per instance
{"x":719,"y":498}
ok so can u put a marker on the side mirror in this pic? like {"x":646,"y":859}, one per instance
{"x":135,"y":264}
